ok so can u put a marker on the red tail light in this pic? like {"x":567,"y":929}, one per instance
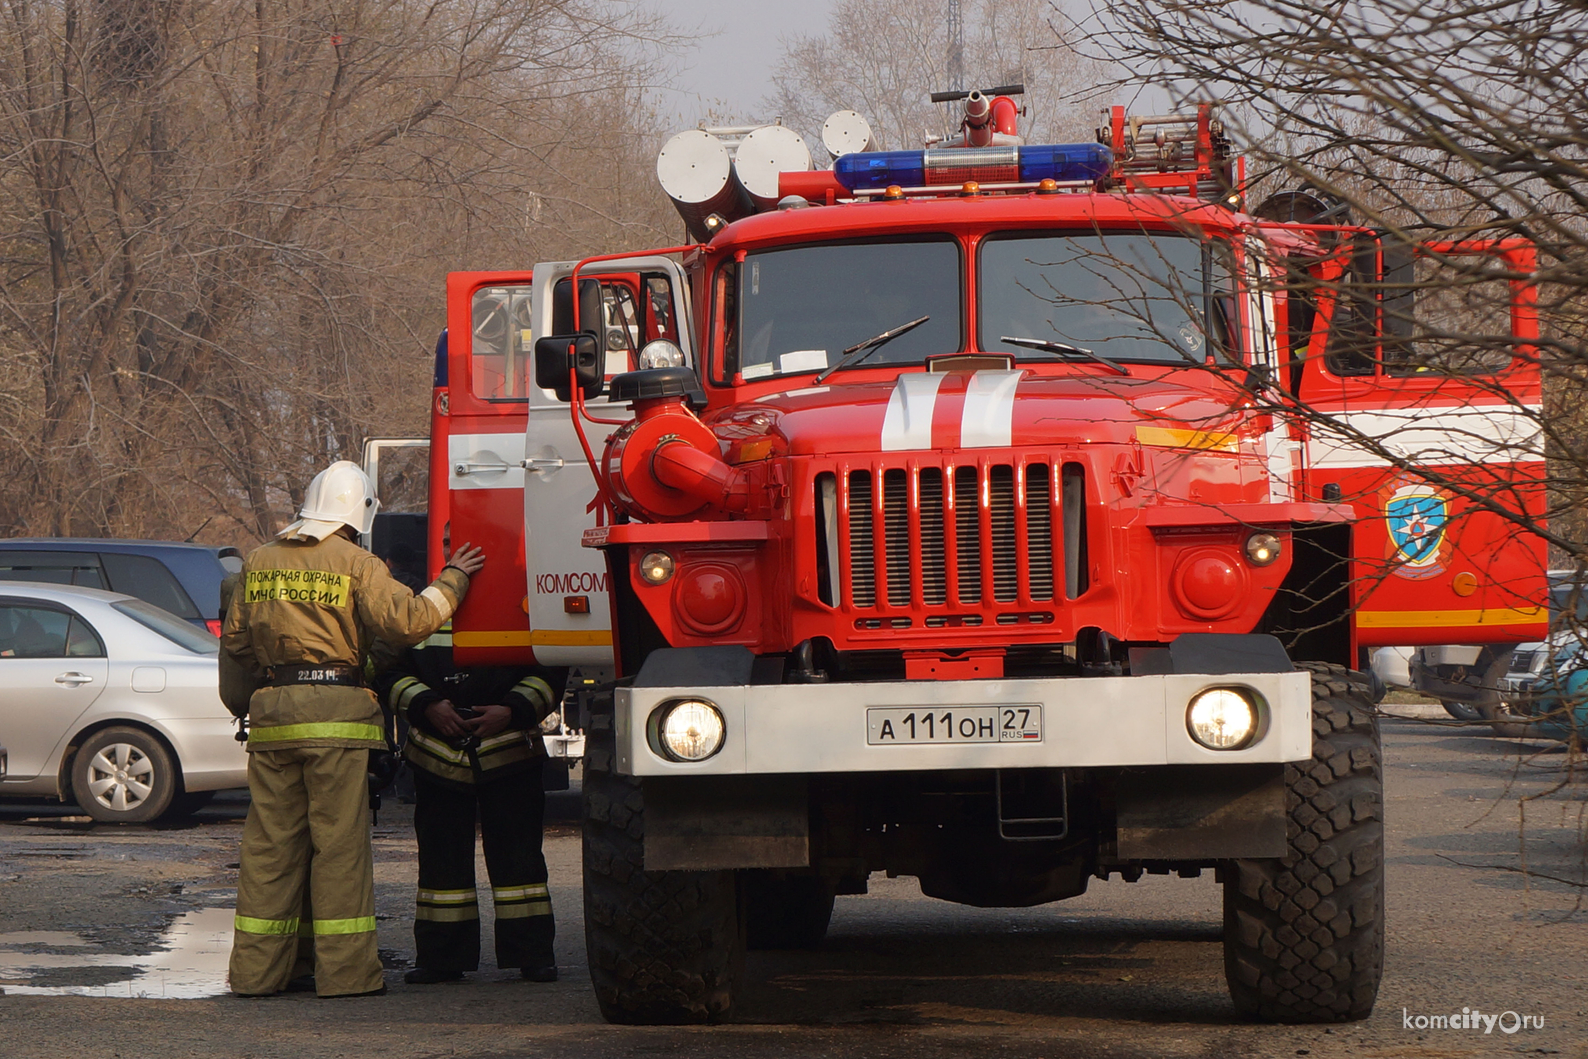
{"x":214,"y":626}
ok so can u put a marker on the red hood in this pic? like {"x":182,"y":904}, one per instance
{"x":984,"y":409}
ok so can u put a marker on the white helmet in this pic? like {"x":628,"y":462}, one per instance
{"x":340,"y":495}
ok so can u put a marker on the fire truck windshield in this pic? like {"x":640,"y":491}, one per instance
{"x":1131,"y":296}
{"x":798,"y":308}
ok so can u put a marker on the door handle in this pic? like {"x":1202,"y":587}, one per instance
{"x":463,"y":470}
{"x":543,"y":463}
{"x":74,"y":679}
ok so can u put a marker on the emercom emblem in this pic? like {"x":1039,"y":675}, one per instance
{"x":1417,"y":516}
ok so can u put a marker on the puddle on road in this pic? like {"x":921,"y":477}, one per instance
{"x":190,"y":964}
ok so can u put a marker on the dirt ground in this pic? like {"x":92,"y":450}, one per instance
{"x":1125,"y":970}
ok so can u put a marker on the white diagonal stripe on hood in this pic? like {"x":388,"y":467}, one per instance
{"x":987,"y":421}
{"x":908,"y":422}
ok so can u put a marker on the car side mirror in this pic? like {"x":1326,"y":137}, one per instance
{"x":556,"y":355}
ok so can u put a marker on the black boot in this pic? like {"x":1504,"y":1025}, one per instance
{"x":544,"y":973}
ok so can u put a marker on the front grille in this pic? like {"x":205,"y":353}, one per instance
{"x":1039,"y":536}
{"x":967,"y":526}
{"x":934,"y":561}
{"x":862,"y":560}
{"x":949,"y":537}
{"x":897,"y":546}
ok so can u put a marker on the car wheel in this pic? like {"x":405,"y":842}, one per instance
{"x":123,"y":776}
{"x":1463,"y":711}
{"x":1489,"y":707}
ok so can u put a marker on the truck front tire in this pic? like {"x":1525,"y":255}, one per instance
{"x":1304,"y":933}
{"x":665,"y":947}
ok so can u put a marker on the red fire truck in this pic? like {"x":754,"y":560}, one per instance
{"x":1005,"y":515}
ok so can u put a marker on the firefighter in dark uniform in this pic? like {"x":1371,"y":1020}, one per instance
{"x":298,"y":630}
{"x":476,"y":754}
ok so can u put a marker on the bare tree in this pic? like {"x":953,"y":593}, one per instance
{"x":224,"y":226}
{"x":884,"y":59}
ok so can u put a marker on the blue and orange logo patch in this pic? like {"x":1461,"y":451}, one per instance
{"x":1417,"y":517}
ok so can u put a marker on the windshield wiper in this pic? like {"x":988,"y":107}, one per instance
{"x":1064,"y":349}
{"x":861,"y":350}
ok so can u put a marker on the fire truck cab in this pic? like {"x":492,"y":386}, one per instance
{"x":1010,"y":516}
{"x":506,"y":468}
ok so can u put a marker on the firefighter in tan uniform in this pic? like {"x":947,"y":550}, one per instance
{"x":300,"y":626}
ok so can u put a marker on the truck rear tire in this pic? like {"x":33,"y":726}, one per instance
{"x":786,"y":911}
{"x":665,"y":947}
{"x":1304,"y":933}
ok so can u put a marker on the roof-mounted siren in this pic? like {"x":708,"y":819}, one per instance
{"x":695,"y":169}
{"x":991,"y":167}
{"x":1174,"y":153}
{"x":764,"y":153}
{"x":847,"y":132}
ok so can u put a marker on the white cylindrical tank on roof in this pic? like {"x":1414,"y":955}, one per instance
{"x":847,"y":132}
{"x":696,"y":171}
{"x":763,"y":154}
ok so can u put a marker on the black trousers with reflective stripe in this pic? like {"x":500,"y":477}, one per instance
{"x":510,"y":813}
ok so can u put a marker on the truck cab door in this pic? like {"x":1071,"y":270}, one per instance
{"x":1430,"y":395}
{"x":516,"y":480}
{"x":643,"y":299}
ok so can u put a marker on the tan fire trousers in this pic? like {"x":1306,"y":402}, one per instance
{"x":306,"y":844}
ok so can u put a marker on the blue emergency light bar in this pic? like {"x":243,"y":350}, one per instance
{"x":947,"y":166}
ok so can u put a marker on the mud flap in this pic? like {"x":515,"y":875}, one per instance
{"x":1201,"y":812}
{"x":706,"y":823}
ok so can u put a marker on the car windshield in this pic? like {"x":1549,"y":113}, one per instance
{"x":1127,"y":295}
{"x":797,"y":309}
{"x":1567,"y":598}
{"x":1569,"y":649}
{"x":170,"y":626}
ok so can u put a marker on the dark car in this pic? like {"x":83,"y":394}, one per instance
{"x":184,"y":579}
{"x":1556,"y":705}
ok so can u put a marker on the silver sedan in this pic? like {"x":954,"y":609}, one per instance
{"x":111,"y":702}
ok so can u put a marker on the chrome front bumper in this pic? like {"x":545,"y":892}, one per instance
{"x":1087,"y":722}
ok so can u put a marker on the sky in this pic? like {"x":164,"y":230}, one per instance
{"x":732,"y":70}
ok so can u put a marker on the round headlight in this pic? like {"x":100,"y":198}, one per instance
{"x":660,"y":353}
{"x":656,"y":568}
{"x":689,"y":730}
{"x":1263,"y":548}
{"x":1222,"y":718}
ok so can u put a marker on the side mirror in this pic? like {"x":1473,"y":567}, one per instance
{"x":556,"y":355}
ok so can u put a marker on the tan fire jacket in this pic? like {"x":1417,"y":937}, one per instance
{"x":323,"y":602}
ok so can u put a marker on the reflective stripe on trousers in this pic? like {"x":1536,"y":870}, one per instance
{"x":521,"y":902}
{"x":283,"y":733}
{"x":447,"y":906}
{"x":250,"y":925}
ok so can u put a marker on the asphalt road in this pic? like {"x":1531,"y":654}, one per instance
{"x":1125,"y":970}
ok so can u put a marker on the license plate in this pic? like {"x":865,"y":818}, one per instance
{"x":901,"y":725}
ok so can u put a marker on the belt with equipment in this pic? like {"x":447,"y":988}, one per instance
{"x":342,"y":676}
